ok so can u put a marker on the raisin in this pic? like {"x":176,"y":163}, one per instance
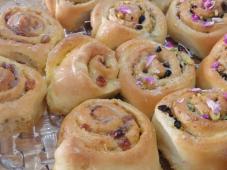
{"x":166,"y":109}
{"x":177,"y":124}
{"x":158,"y":49}
{"x":119,"y":133}
{"x":124,"y":144}
{"x":141,"y":19}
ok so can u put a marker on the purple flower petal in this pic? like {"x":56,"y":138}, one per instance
{"x":205,"y":116}
{"x":208,"y":23}
{"x":195,"y":17}
{"x":150,"y":59}
{"x":149,"y":80}
{"x":180,"y":100}
{"x":196,"y":90}
{"x":124,"y":9}
{"x":214,"y":106}
{"x":208,"y":4}
{"x":225,"y":95}
{"x":225,"y":39}
{"x":215,"y":65}
{"x":139,"y":82}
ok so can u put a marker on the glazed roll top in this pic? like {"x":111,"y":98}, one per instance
{"x":80,"y":68}
{"x":106,"y":134}
{"x":199,"y":24}
{"x":22,"y":90}
{"x":212,"y":72}
{"x":191,"y":128}
{"x":71,"y":13}
{"x":27,"y":35}
{"x":115,"y":22}
{"x":149,"y":71}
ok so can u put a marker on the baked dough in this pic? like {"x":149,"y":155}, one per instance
{"x":149,"y":71}
{"x":22,"y":91}
{"x":197,"y":24}
{"x":117,"y":21}
{"x":80,"y":68}
{"x":191,"y":129}
{"x":28,"y":35}
{"x":106,"y":135}
{"x":212,"y":72}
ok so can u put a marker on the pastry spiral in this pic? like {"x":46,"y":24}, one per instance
{"x":27,"y":35}
{"x":71,"y":13}
{"x":191,"y":129}
{"x":106,"y":134}
{"x":149,"y":71}
{"x":116,"y":21}
{"x":198,"y":24}
{"x":80,"y":68}
{"x":212,"y":72}
{"x":22,"y":91}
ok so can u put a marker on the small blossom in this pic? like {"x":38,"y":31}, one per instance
{"x":150,"y":59}
{"x":149,"y":80}
{"x":225,"y":39}
{"x":225,"y":95}
{"x":195,"y":17}
{"x":196,"y":90}
{"x":208,"y":4}
{"x":180,"y":100}
{"x":215,"y":65}
{"x":205,"y":116}
{"x":214,"y":106}
{"x":124,"y":9}
{"x":208,"y":23}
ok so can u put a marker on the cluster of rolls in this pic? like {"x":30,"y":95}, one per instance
{"x":164,"y":101}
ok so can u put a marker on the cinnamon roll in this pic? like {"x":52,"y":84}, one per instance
{"x":191,"y":129}
{"x":80,"y":68}
{"x":117,"y":21}
{"x":27,"y":35}
{"x":22,"y":91}
{"x":198,"y":24}
{"x":106,"y":134}
{"x":212,"y":72}
{"x":71,"y":13}
{"x":149,"y":71}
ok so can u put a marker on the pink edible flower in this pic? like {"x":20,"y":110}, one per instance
{"x":124,"y":9}
{"x":195,"y":17}
{"x":139,"y":82}
{"x":149,"y":80}
{"x":180,"y":100}
{"x":214,"y":106}
{"x":196,"y":90}
{"x":225,"y":95}
{"x":215,"y":65}
{"x":208,"y":23}
{"x":205,"y":116}
{"x":150,"y":60}
{"x":225,"y":39}
{"x":208,"y":4}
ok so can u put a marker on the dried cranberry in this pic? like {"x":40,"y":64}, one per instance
{"x":86,"y":127}
{"x":118,"y":133}
{"x":101,"y":81}
{"x":29,"y":85}
{"x":124,"y":144}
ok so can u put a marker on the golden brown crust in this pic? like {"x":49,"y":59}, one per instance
{"x":111,"y":29}
{"x":191,"y":129}
{"x":22,"y":91}
{"x":80,"y":68}
{"x":70,"y":15}
{"x":28,"y":35}
{"x":96,"y":148}
{"x":212,"y":72}
{"x":197,"y":34}
{"x":142,"y":85}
